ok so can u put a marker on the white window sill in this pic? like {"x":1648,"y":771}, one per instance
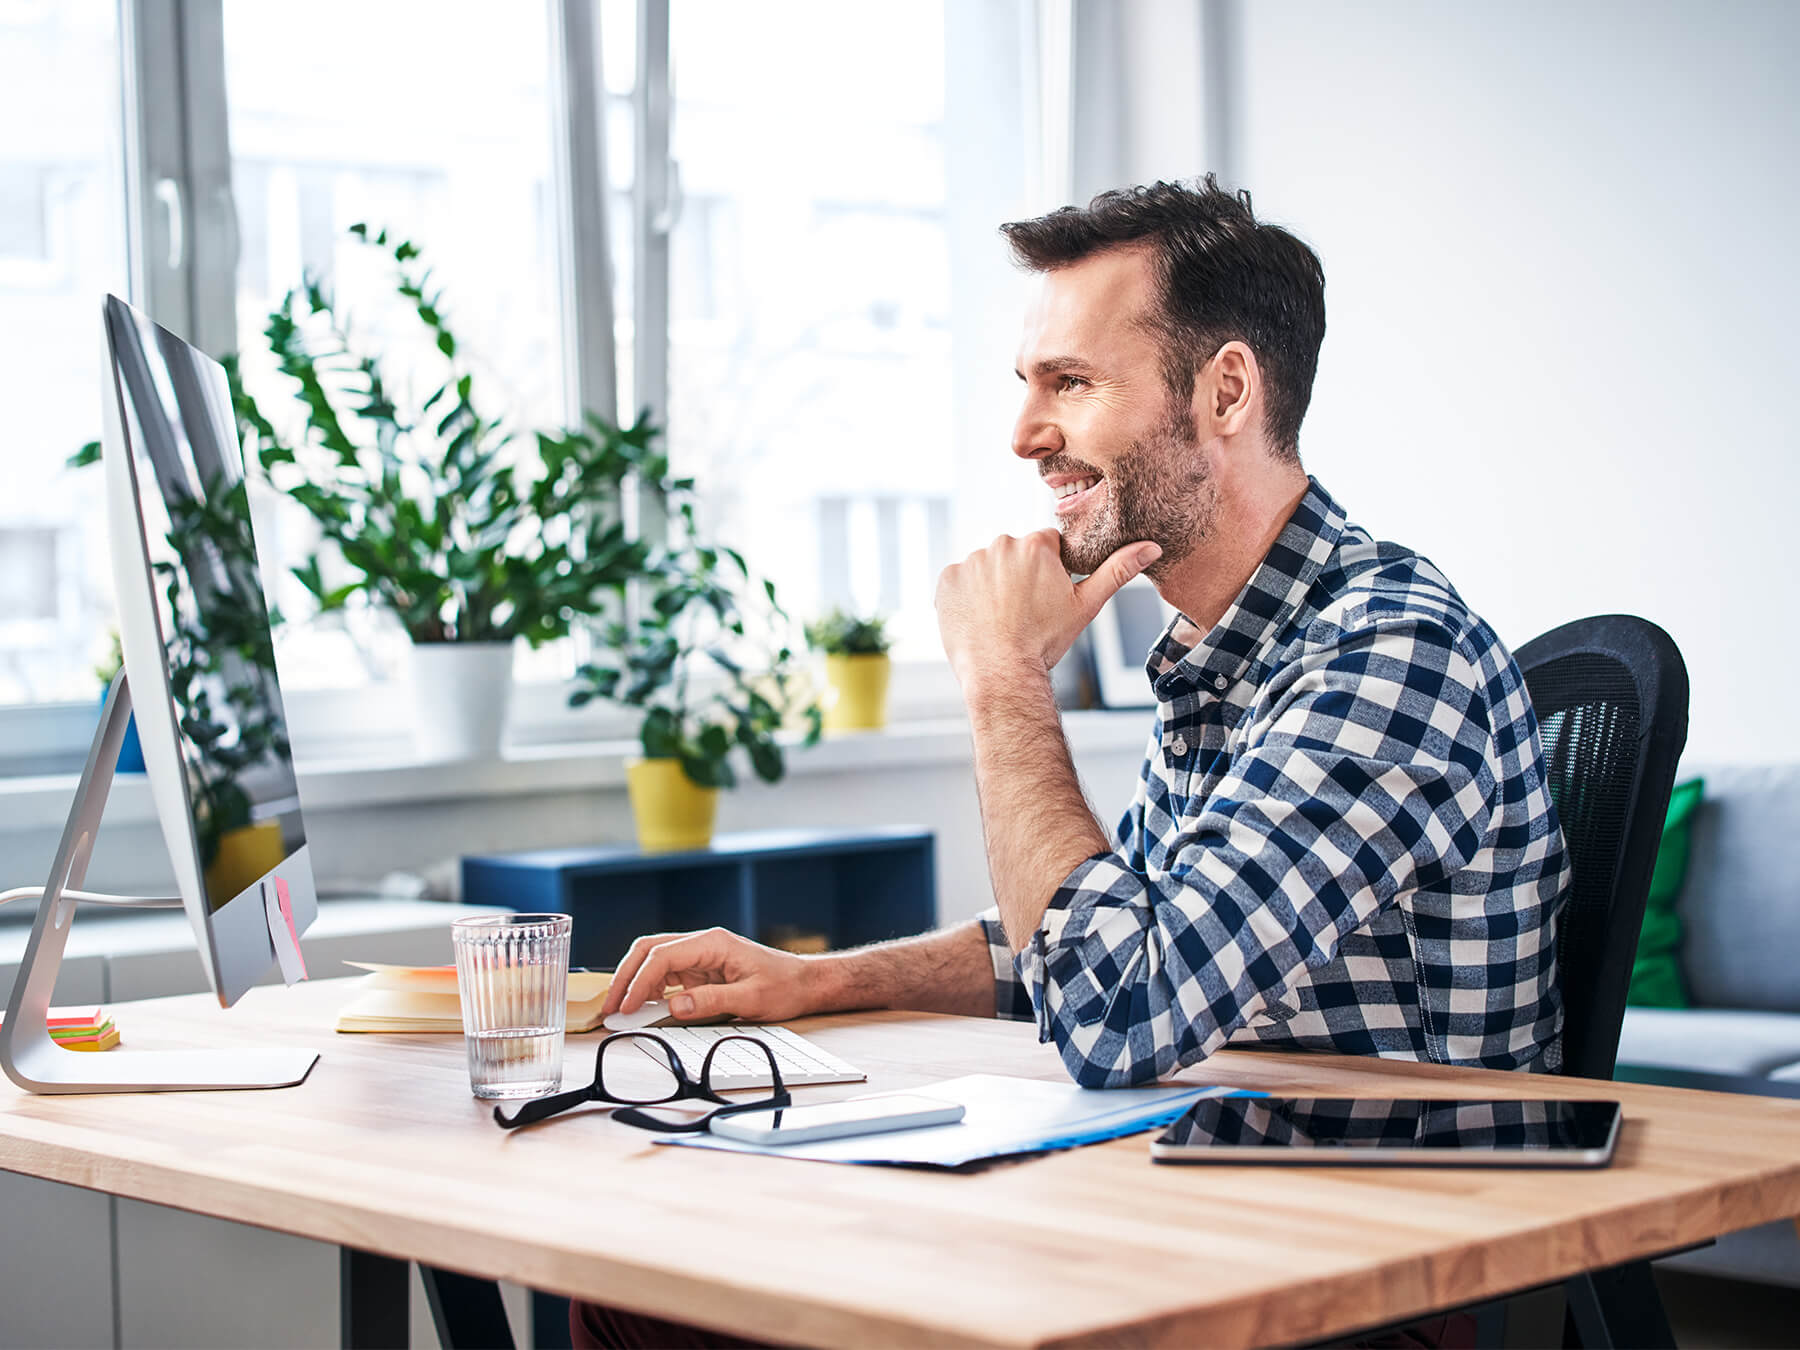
{"x":42,"y":803}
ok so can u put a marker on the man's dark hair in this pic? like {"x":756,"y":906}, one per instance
{"x":1223,"y":277}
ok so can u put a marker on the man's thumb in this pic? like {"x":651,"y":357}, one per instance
{"x":703,"y":1001}
{"x":1124,"y":564}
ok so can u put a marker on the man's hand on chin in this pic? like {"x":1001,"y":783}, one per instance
{"x":1012,"y":604}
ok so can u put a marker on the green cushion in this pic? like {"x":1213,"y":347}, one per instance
{"x":1656,"y":973}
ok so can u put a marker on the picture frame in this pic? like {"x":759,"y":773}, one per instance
{"x":1123,"y":635}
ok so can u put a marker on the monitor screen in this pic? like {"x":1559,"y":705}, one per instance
{"x":212,"y":621}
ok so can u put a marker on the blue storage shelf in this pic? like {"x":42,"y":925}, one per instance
{"x":854,"y":886}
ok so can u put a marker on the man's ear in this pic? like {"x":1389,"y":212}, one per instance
{"x":1229,"y":387}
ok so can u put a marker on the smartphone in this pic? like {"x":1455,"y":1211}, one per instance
{"x":837,"y":1120}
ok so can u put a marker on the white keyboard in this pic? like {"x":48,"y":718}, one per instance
{"x":738,"y":1066}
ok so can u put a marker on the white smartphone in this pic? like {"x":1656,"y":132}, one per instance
{"x":837,"y":1120}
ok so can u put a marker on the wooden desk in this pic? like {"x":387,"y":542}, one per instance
{"x":383,"y":1149}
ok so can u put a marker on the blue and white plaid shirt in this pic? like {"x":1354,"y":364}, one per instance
{"x":1341,"y":838}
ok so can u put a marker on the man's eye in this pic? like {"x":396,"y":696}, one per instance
{"x":1069,"y":382}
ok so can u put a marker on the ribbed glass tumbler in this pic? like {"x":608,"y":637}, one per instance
{"x":512,"y":971}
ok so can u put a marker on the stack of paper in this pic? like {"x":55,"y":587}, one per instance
{"x":424,"y":998}
{"x":81,"y":1028}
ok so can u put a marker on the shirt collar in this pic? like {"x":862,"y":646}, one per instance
{"x":1275,"y":590}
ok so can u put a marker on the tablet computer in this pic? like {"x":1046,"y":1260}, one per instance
{"x":1409,"y":1132}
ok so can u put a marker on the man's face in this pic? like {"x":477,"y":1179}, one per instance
{"x":1119,"y":452}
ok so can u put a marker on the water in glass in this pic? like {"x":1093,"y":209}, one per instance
{"x":515,"y":1061}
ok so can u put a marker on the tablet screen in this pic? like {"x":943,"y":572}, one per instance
{"x":1417,"y":1126}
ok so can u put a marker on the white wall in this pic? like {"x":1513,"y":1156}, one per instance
{"x":1562,"y":296}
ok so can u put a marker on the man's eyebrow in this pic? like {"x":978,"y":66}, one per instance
{"x":1057,"y":365}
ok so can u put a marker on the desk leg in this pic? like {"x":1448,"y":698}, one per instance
{"x":549,"y":1321}
{"x":372,"y":1301}
{"x":1618,"y":1306}
{"x":467,"y":1310}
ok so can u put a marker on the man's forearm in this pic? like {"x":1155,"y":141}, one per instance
{"x":1036,"y":821}
{"x":950,"y":971}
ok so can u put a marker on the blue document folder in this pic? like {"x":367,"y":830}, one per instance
{"x":1002,"y":1116}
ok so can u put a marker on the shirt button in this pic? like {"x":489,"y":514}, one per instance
{"x":1219,"y":682}
{"x":1179,"y":745}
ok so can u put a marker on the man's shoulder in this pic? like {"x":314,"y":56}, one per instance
{"x":1373,"y":583}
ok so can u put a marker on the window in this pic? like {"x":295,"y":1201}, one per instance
{"x":434,"y":124}
{"x":809,"y":333}
{"x":62,"y":247}
{"x":839,"y":323}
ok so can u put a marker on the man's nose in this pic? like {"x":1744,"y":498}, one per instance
{"x":1035,"y":435}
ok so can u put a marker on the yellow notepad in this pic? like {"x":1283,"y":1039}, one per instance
{"x":424,"y":998}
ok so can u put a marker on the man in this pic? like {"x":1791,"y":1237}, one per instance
{"x":1341,"y":837}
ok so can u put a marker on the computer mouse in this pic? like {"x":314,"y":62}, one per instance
{"x":654,"y":1013}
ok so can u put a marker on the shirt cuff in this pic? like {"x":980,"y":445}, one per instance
{"x":1054,"y":973}
{"x":1011,"y":1002}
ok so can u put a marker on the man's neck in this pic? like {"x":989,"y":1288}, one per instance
{"x":1246,"y":524}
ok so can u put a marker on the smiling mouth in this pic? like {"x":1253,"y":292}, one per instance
{"x":1071,"y":494}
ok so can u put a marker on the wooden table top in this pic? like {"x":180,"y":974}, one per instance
{"x":384,"y":1149}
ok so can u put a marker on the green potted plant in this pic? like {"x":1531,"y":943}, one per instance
{"x":857,"y":667}
{"x":702,"y":653}
{"x":429,"y":512}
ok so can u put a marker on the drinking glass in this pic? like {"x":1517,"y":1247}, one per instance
{"x":512,"y":972}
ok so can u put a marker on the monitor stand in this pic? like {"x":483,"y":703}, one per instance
{"x":28,"y":1053}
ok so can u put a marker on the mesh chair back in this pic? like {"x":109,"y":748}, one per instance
{"x":1611,"y":696}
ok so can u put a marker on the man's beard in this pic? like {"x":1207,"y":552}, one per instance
{"x":1160,"y":489}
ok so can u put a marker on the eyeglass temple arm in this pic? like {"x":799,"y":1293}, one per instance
{"x":541,"y":1108}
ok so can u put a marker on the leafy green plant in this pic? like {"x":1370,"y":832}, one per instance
{"x":843,"y":634}
{"x":430,"y":515}
{"x":702,"y":653}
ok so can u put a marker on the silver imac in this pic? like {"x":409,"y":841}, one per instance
{"x":199,"y":669}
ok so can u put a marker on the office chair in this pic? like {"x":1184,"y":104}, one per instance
{"x":1611,"y":696}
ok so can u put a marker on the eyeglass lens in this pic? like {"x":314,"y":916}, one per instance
{"x":624,"y":1073}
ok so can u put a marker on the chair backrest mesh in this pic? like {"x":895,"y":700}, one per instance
{"x":1610,"y":695}
{"x":1587,"y":709}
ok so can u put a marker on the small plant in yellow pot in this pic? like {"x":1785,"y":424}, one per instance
{"x":856,"y":670}
{"x":703,"y":654}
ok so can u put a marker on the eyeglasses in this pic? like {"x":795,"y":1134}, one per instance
{"x":655,"y":1084}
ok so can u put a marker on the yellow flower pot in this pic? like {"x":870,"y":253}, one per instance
{"x":672,"y":812}
{"x":245,"y":855}
{"x":858,"y":698}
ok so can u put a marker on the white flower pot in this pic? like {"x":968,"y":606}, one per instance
{"x":459,"y":692}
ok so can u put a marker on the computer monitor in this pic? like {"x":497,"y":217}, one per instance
{"x":199,"y":669}
{"x":194,"y":629}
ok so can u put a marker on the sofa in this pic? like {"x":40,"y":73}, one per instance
{"x":1739,"y":908}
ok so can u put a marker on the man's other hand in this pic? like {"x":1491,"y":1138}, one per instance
{"x":1013,"y":602}
{"x":720,"y":974}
